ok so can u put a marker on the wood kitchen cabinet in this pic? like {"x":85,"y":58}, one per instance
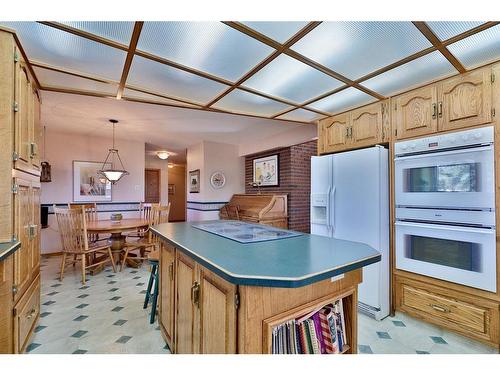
{"x":19,"y":197}
{"x":458,"y":102}
{"x":465,"y":100}
{"x":362,"y":127}
{"x":167,"y":295}
{"x":205,"y":310}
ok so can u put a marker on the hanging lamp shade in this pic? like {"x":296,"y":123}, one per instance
{"x":112,"y":168}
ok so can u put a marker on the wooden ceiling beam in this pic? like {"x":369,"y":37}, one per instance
{"x":53,"y":68}
{"x":130,"y":55}
{"x":466,"y":34}
{"x":294,"y":39}
{"x":431,"y":37}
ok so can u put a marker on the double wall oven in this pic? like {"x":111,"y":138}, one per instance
{"x":445,"y":207}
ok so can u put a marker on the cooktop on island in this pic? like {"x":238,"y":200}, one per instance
{"x":245,"y":232}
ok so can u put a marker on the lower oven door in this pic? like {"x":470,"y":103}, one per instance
{"x":459,"y":254}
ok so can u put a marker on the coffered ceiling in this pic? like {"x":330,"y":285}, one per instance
{"x":291,"y":71}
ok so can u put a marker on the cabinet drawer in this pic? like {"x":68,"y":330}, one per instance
{"x":26,"y":314}
{"x":473,"y":317}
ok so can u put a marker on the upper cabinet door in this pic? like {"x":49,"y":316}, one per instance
{"x":22,"y":116}
{"x":465,"y":100}
{"x":367,"y":124}
{"x":36,"y":131}
{"x":335,"y":132}
{"x":416,"y":112}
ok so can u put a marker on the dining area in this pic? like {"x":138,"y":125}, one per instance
{"x":91,"y":242}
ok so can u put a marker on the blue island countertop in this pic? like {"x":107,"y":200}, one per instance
{"x":284,"y":263}
{"x":7,"y":248}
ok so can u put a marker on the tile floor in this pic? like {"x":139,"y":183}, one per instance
{"x":106,"y":316}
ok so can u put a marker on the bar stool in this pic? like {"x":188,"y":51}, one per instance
{"x":154,"y":260}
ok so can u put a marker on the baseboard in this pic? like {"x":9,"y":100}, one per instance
{"x":52,"y":254}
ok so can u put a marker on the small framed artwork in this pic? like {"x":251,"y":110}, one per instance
{"x":88,"y":184}
{"x":194,"y":181}
{"x":171,"y":189}
{"x":266,"y":171}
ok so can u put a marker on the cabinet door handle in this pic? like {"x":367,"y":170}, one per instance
{"x":33,"y":150}
{"x":195,"y":293}
{"x":31,"y":313}
{"x":440,"y":308}
{"x":347,"y":132}
{"x":440,"y":109}
{"x":434,"y":110}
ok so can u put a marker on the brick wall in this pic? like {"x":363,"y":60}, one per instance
{"x":294,"y":180}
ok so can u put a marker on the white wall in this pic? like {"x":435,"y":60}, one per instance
{"x":210,"y":157}
{"x":62,"y":149}
{"x":284,"y":139}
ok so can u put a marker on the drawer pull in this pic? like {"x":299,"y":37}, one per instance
{"x":440,"y":308}
{"x":171,"y":271}
{"x":31,"y":314}
{"x":195,"y":294}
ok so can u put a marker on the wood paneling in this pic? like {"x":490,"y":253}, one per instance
{"x":26,"y":314}
{"x":335,"y":132}
{"x":367,"y":125}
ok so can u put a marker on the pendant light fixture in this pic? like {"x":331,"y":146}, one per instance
{"x":115,"y":172}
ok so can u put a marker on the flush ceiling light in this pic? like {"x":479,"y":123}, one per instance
{"x":110,"y":168}
{"x":163,"y":155}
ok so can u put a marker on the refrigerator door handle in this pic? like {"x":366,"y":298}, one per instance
{"x":328,"y":224}
{"x":331,"y":205}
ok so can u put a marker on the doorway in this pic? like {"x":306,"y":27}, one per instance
{"x":152,"y":187}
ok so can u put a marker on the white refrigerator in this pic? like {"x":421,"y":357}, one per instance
{"x":350,"y":201}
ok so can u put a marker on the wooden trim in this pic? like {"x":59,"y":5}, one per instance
{"x":130,"y":55}
{"x":470,"y":32}
{"x":299,"y":35}
{"x":25,"y":57}
{"x":431,"y":37}
{"x":53,"y":68}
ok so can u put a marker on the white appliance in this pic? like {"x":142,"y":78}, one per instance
{"x":350,"y":201}
{"x":445,"y":207}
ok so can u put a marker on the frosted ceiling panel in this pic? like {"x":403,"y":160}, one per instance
{"x":300,"y":115}
{"x":416,"y":72}
{"x":211,"y":47}
{"x":343,"y":100}
{"x":290,"y":79}
{"x":244,"y":102}
{"x":120,"y":32}
{"x":479,"y":49}
{"x":133,"y":94}
{"x":173,"y":82}
{"x":58,"y":48}
{"x":355,"y":49}
{"x":446,"y":29}
{"x":56,"y":79}
{"x":280,"y":31}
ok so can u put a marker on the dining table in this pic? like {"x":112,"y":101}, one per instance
{"x":116,"y":228}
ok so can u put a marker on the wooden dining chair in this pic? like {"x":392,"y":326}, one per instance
{"x":149,"y":242}
{"x":90,"y":210}
{"x":72,"y":224}
{"x":145,"y":213}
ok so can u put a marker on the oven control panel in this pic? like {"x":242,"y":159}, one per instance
{"x":444,"y":141}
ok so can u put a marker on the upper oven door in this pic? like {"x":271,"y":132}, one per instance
{"x":462,"y":178}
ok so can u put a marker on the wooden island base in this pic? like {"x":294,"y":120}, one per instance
{"x":200,"y":312}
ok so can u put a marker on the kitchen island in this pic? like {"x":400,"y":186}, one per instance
{"x":218,"y":295}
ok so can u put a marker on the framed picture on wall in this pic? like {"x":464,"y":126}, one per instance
{"x":266,"y":171}
{"x":194,"y":181}
{"x":88,"y":185}
{"x":171,"y":189}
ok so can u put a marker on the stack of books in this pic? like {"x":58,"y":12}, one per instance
{"x":322,"y":331}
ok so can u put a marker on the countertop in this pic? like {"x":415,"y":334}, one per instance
{"x":284,"y":263}
{"x":7,"y":248}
